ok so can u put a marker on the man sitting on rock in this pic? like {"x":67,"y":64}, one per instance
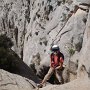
{"x":56,"y":65}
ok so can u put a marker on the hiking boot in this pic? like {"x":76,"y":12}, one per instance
{"x":40,"y":86}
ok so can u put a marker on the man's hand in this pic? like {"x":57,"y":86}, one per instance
{"x":59,"y":67}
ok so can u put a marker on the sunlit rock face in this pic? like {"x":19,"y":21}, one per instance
{"x":53,"y":22}
{"x":35,"y":25}
{"x":15,"y":82}
{"x":13,"y":20}
{"x":84,"y":1}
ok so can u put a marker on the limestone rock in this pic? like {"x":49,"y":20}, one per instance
{"x":35,"y":25}
{"x":52,"y":24}
{"x":84,"y":1}
{"x":17,"y":66}
{"x":14,"y":15}
{"x":84,"y":59}
{"x":47,"y":22}
{"x":14,"y":82}
{"x":78,"y":84}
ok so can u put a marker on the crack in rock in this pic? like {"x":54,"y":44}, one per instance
{"x":31,"y":83}
{"x":5,"y":84}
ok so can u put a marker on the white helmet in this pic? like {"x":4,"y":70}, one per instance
{"x":55,"y":48}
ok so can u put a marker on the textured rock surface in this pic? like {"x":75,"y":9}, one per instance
{"x":10,"y":81}
{"x":83,"y":78}
{"x":13,"y":20}
{"x":84,"y":1}
{"x":84,"y":59}
{"x":51,"y":23}
{"x":79,"y":84}
{"x":12,"y":63}
{"x":47,"y":20}
{"x":34,"y":25}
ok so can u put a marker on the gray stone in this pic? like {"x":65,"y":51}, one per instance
{"x":10,"y":81}
{"x":34,"y":25}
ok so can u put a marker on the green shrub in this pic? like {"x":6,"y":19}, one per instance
{"x":64,"y":17}
{"x":71,"y":51}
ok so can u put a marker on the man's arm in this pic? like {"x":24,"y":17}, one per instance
{"x":60,"y":66}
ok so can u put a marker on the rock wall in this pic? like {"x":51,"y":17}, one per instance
{"x":53,"y":22}
{"x":78,"y":84}
{"x":84,"y":59}
{"x":14,"y":16}
{"x":35,"y":25}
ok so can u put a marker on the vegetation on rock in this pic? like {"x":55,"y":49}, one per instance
{"x":7,"y":57}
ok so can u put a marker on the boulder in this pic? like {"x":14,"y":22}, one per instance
{"x":10,"y":81}
{"x":78,"y":84}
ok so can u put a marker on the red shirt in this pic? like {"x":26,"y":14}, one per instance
{"x":56,"y":59}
